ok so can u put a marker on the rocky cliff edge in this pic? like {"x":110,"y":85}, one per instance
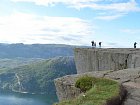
{"x":122,"y":65}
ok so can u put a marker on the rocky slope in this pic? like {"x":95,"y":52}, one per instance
{"x":121,"y":65}
{"x":129,"y":78}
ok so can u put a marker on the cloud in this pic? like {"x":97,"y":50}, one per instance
{"x":109,"y":17}
{"x":115,"y":5}
{"x":112,"y":7}
{"x":106,"y":5}
{"x":27,"y":28}
{"x":131,"y":31}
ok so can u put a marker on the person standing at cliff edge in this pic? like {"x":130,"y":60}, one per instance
{"x":100,"y":44}
{"x":92,"y":42}
{"x":95,"y":44}
{"x":135,"y":45}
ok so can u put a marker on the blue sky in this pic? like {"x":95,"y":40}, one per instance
{"x":76,"y":22}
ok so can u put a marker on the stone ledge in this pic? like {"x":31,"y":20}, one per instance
{"x":132,"y":85}
{"x":127,"y":77}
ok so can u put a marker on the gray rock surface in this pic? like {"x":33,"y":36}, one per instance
{"x":91,"y":59}
{"x":127,"y":77}
{"x":65,"y":87}
{"x":122,"y":65}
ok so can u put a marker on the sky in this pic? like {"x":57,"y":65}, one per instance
{"x":115,"y":23}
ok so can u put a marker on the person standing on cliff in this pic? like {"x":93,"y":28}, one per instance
{"x":135,"y":45}
{"x":95,"y":44}
{"x":100,"y":44}
{"x":92,"y":42}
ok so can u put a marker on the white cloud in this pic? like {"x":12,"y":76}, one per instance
{"x":27,"y":28}
{"x":109,"y":17}
{"x":121,"y":6}
{"x":131,"y":31}
{"x":117,"y":7}
{"x":112,"y":10}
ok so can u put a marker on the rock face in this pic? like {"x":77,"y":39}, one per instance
{"x":122,"y":65}
{"x":65,"y":87}
{"x":91,"y":59}
{"x":129,"y":78}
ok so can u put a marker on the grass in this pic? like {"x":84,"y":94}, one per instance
{"x":102,"y":90}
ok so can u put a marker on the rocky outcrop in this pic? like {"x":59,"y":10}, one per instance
{"x":129,"y":78}
{"x":91,"y":59}
{"x":133,"y":95}
{"x":122,"y":65}
{"x":65,"y":87}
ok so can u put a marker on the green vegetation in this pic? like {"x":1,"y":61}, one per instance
{"x":101,"y":91}
{"x":85,"y":83}
{"x":6,"y":63}
{"x":37,"y":77}
{"x":33,"y":67}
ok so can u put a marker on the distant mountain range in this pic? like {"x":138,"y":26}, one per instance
{"x":35,"y":50}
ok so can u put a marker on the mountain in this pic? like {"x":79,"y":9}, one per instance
{"x":36,"y":77}
{"x":35,"y":50}
{"x":6,"y":63}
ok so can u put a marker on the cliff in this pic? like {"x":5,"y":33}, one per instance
{"x":88,"y":60}
{"x":121,"y":65}
{"x":129,"y":78}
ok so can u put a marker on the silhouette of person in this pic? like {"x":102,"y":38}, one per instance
{"x":92,"y":43}
{"x":100,"y":44}
{"x":95,"y":44}
{"x":135,"y":45}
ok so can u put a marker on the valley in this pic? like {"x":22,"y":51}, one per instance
{"x":31,"y":69}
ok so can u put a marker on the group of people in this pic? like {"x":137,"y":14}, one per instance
{"x":94,"y":44}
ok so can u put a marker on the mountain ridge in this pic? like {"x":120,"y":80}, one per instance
{"x":37,"y":77}
{"x":35,"y":50}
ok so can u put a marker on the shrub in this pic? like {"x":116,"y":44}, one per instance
{"x":104,"y":92}
{"x":85,"y":83}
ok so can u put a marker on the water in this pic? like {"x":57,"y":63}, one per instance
{"x":25,"y":99}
